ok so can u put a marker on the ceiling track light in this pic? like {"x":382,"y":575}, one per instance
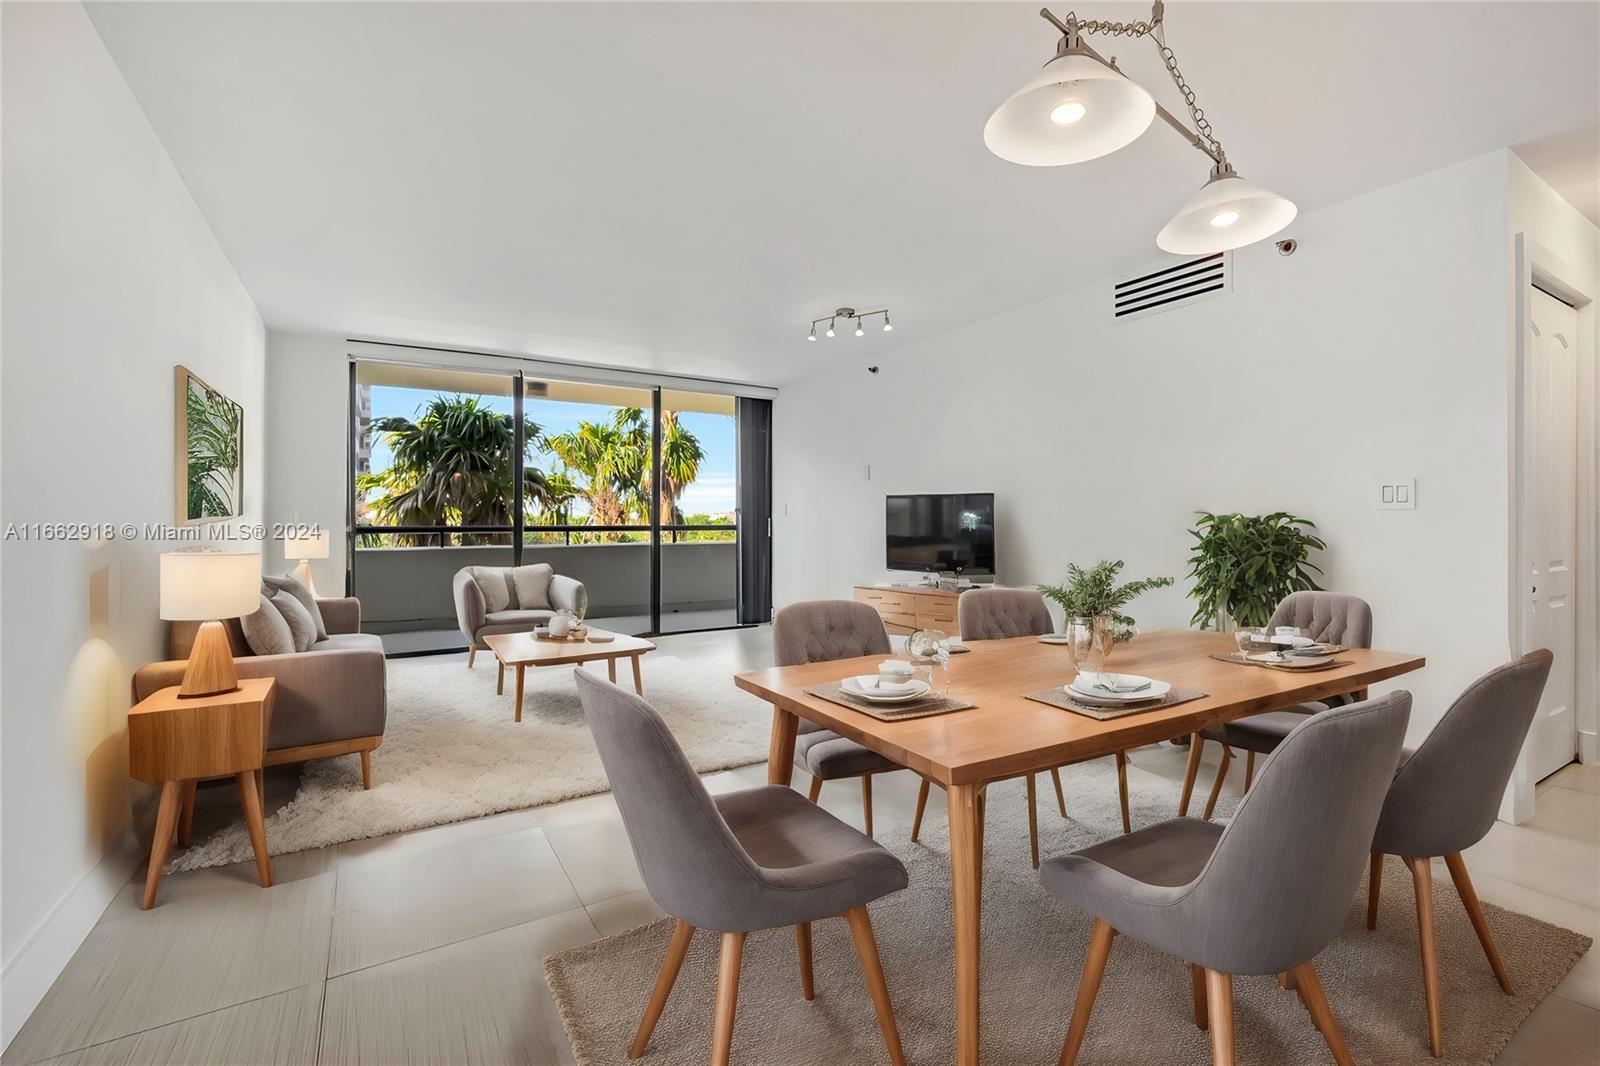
{"x":850,"y":314}
{"x":1082,"y":106}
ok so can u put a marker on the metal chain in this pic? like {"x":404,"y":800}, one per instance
{"x":1196,"y":112}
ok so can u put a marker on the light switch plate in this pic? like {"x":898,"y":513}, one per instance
{"x":1397,"y":494}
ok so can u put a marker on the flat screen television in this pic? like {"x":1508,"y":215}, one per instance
{"x":941,"y":532}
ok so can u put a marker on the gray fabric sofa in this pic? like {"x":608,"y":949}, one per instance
{"x":477,"y":621}
{"x":331,"y":700}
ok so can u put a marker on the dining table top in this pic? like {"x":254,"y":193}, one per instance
{"x":1005,"y":734}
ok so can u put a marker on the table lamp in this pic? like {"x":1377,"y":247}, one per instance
{"x":305,"y":547}
{"x":203,"y":586}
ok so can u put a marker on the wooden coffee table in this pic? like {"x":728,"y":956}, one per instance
{"x":522,"y":650}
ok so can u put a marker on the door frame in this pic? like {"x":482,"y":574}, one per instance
{"x":1537,"y":266}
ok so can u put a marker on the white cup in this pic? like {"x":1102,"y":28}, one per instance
{"x":560,"y":625}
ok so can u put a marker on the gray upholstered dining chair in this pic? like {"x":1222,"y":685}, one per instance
{"x":1001,"y":614}
{"x":759,"y":858}
{"x":1263,"y":895}
{"x":1331,"y":617}
{"x":820,"y":631}
{"x":1445,"y":798}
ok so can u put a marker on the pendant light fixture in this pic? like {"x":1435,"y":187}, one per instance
{"x":1081,"y":106}
{"x":1077,"y":108}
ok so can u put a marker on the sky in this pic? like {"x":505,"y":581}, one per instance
{"x":713,"y":492}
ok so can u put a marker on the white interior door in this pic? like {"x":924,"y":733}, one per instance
{"x":1549,"y":615}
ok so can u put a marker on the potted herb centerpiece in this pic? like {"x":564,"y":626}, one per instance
{"x":1092,"y":602}
{"x":1243,"y":565}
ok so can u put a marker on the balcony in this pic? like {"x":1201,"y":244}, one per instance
{"x":406,"y":595}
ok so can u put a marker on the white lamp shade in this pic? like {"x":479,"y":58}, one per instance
{"x":202,"y":586}
{"x":1106,"y":110}
{"x":1228,"y":213}
{"x":306,"y":545}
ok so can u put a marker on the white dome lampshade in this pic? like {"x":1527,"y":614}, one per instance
{"x":1077,"y":108}
{"x":1228,"y":213}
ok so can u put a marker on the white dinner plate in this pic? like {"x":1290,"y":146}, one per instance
{"x":1055,"y":638}
{"x":1290,"y":662}
{"x":1082,"y":686}
{"x":866,"y":687}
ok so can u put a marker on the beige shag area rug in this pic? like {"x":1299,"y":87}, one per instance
{"x":451,"y":751}
{"x":1033,"y":950}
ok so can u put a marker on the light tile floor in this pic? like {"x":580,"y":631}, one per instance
{"x":427,"y":946}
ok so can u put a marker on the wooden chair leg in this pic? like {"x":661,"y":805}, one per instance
{"x":1061,"y":793}
{"x":472,"y":655}
{"x":922,"y":803}
{"x":872,"y":970}
{"x":366,"y":769}
{"x":1033,"y":820}
{"x":727,"y":998}
{"x":676,"y":948}
{"x":1122,"y":789}
{"x":1422,"y":877}
{"x":816,"y":789}
{"x":1216,"y":786}
{"x":1094,"y":968}
{"x":1305,"y":979}
{"x":1374,"y":889}
{"x":866,"y":802}
{"x":802,"y":941}
{"x":1249,"y":769}
{"x":1197,"y":745}
{"x":1219,"y":1009}
{"x":1200,"y":1018}
{"x":1469,"y":899}
{"x":1285,"y":980}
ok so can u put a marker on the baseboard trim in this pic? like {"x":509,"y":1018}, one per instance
{"x":28,"y":975}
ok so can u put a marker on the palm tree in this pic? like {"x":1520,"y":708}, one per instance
{"x":452,"y":466}
{"x":681,"y":456}
{"x":614,"y":457}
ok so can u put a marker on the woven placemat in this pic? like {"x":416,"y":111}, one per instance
{"x":1238,"y":659}
{"x":833,"y":692}
{"x":1057,"y":697}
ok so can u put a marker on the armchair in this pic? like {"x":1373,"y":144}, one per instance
{"x":477,"y":621}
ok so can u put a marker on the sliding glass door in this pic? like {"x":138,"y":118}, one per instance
{"x":698,"y":504}
{"x":589,"y":454}
{"x":642,"y":493}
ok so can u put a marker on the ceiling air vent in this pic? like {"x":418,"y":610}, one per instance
{"x":1152,"y":291}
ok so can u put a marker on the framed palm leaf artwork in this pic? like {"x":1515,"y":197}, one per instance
{"x":210,"y":452}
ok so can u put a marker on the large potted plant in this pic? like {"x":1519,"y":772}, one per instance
{"x":1092,"y":602}
{"x":1244,"y":565}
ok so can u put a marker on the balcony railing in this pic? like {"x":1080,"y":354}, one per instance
{"x":566,"y":530}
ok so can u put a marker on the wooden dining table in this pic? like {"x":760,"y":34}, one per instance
{"x":1006,"y":735}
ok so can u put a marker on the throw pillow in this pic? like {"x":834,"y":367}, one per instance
{"x":292,"y":585}
{"x":496,"y":591}
{"x":299,"y":620}
{"x":266,"y":632}
{"x":532,"y":584}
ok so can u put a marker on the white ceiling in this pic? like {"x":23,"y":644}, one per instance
{"x":682,"y":187}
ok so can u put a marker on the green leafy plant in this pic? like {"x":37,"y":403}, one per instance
{"x":1094,"y":592}
{"x":1243,"y":565}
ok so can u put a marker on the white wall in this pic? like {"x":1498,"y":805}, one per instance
{"x":111,"y":277}
{"x":1379,"y":349}
{"x":308,"y":417}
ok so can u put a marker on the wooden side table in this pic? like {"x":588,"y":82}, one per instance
{"x":176,"y":742}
